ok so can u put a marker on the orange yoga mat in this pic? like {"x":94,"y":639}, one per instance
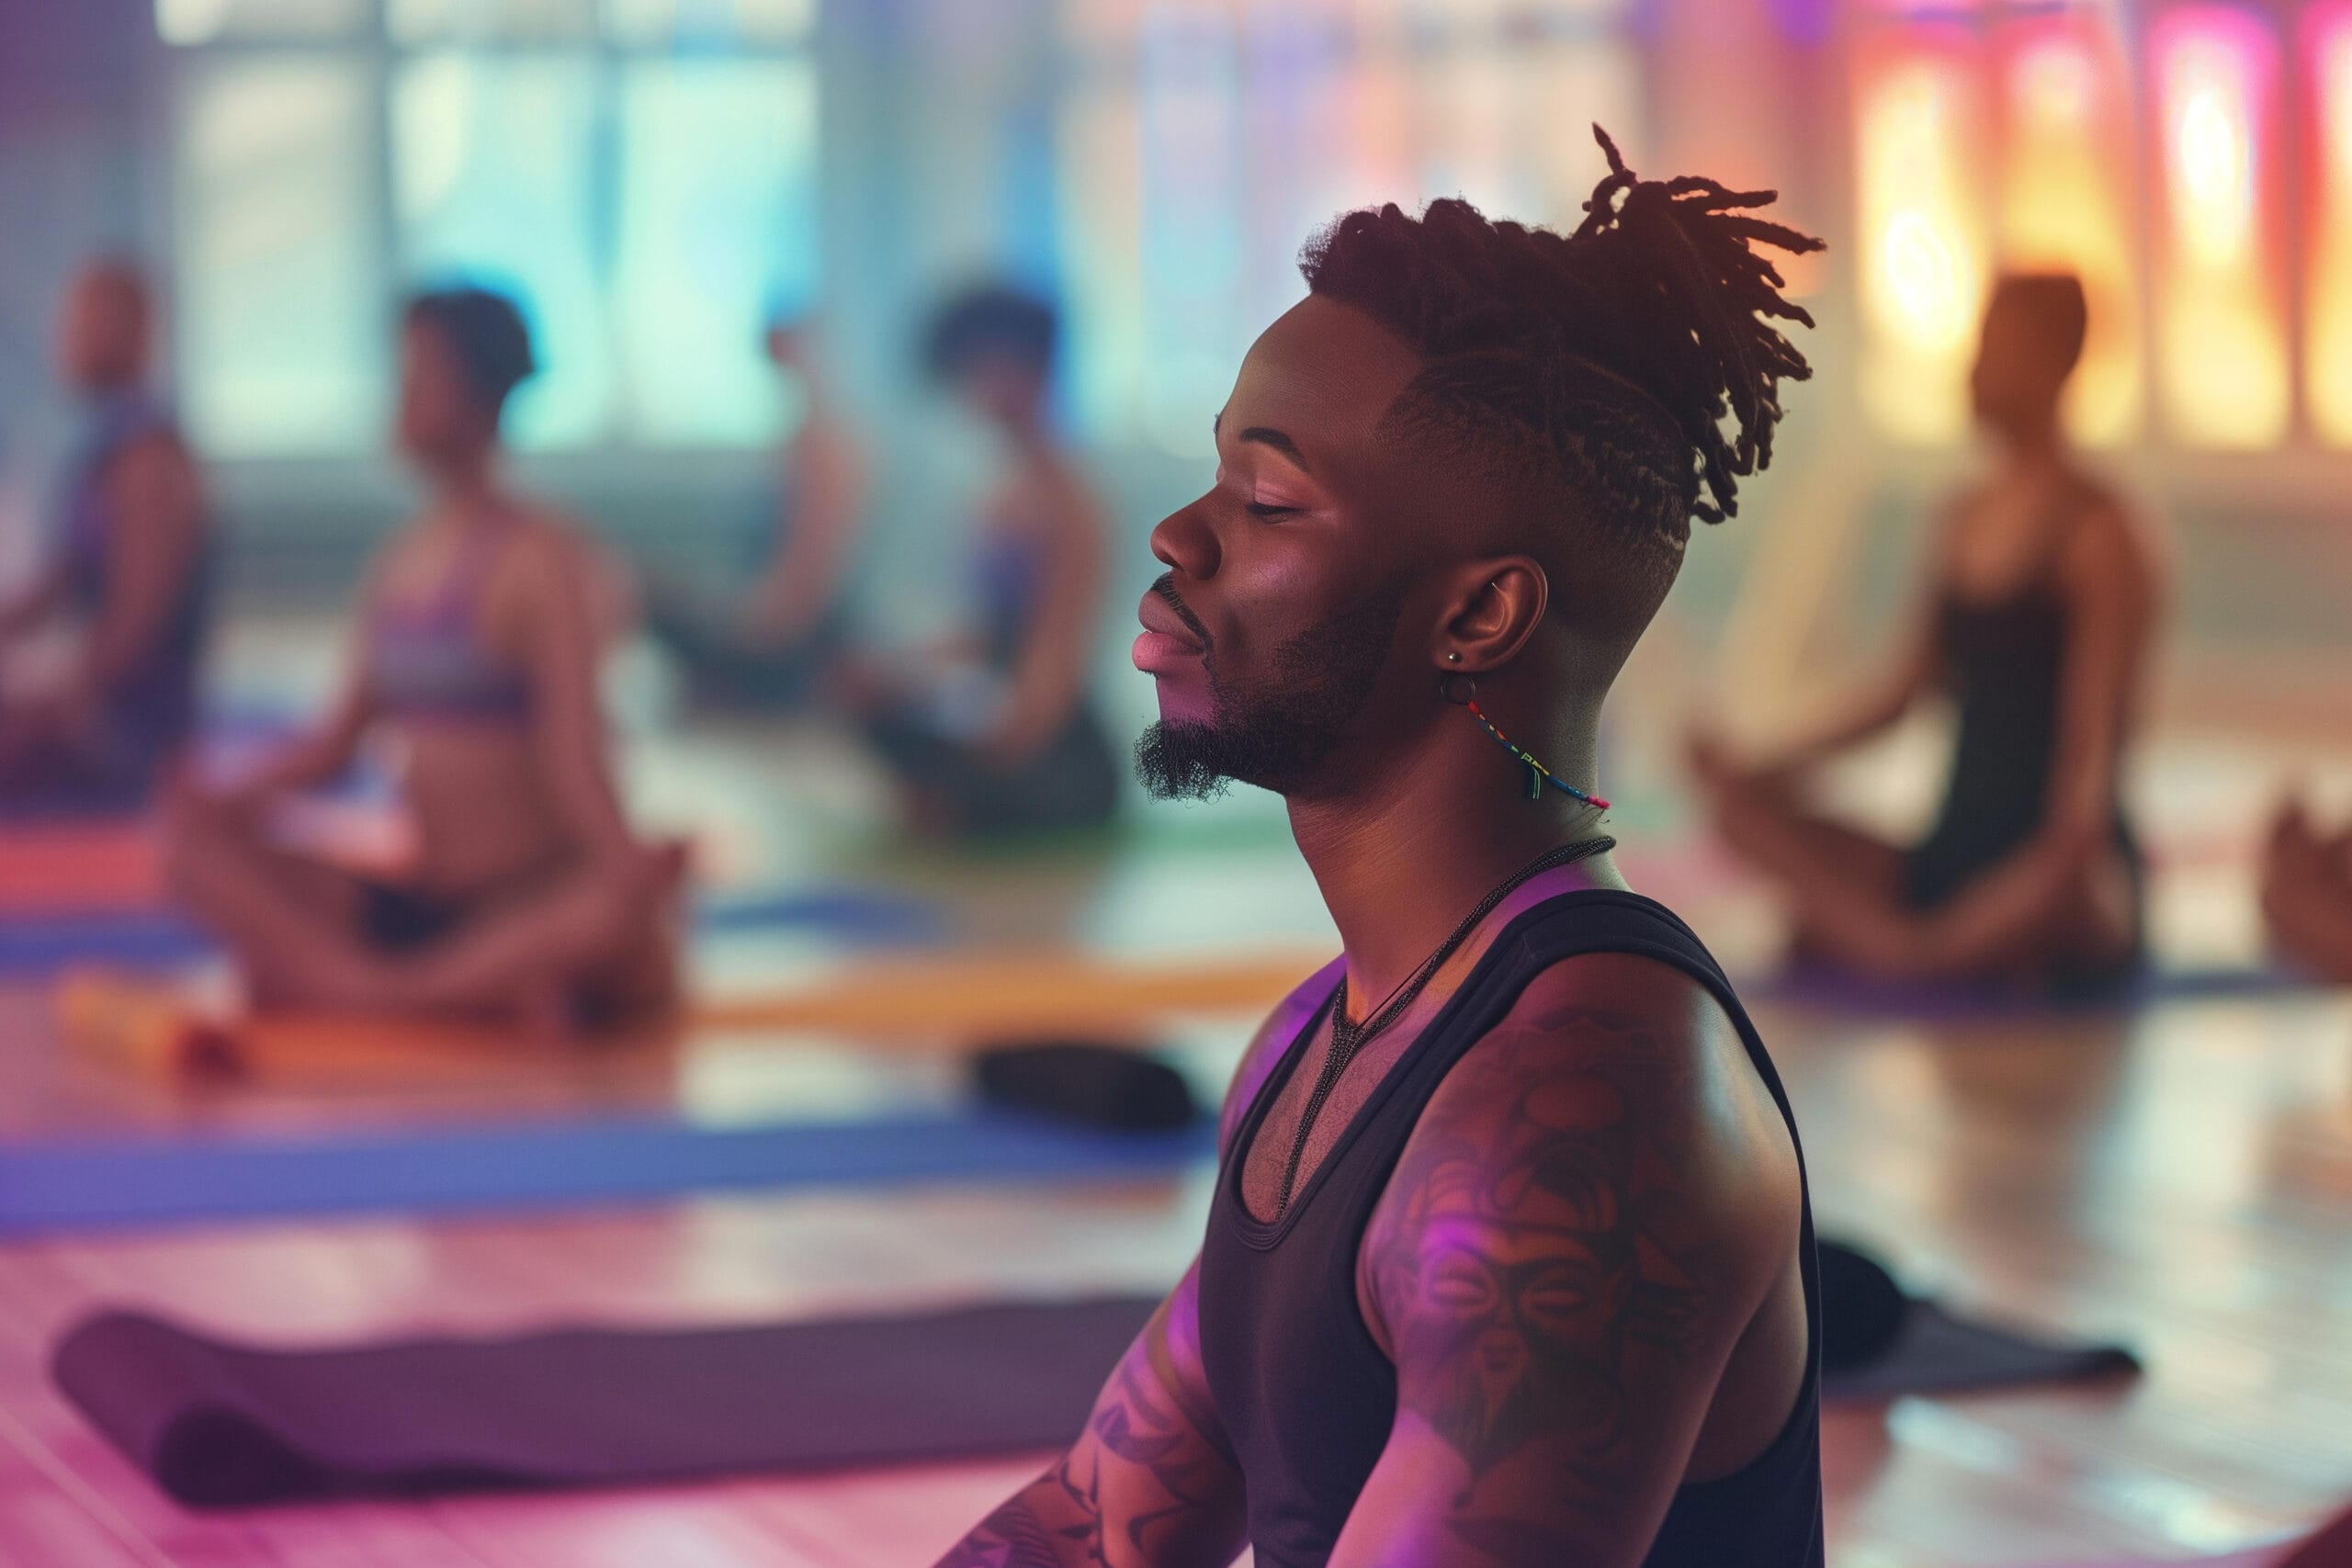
{"x":977,"y":996}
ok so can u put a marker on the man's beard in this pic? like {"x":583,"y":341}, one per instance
{"x":1275,"y":733}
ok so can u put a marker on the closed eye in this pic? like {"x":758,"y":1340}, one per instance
{"x":1262,"y":509}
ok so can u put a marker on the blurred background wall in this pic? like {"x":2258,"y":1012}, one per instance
{"x":657,"y":176}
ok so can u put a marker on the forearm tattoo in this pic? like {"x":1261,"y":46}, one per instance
{"x":1528,"y":1264}
{"x":1016,"y":1536}
{"x":1142,"y":1468}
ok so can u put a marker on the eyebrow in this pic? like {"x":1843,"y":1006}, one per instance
{"x":1266,"y":435}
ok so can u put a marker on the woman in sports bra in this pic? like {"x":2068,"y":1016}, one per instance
{"x":2039,"y":618}
{"x":994,"y":732}
{"x":480,"y":631}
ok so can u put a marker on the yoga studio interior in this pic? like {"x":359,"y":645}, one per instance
{"x":612,"y":954}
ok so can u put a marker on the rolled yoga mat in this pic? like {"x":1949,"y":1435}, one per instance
{"x":217,"y":1424}
{"x":1879,"y":1341}
{"x":1937,"y":1352}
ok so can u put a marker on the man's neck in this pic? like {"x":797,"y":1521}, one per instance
{"x":1402,"y":861}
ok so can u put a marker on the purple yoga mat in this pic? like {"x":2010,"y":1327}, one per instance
{"x":224,"y":1425}
{"x":221,"y":1424}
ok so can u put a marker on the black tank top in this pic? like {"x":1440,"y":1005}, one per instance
{"x":2004,"y":665}
{"x":1303,"y":1391}
{"x":2002,"y":662}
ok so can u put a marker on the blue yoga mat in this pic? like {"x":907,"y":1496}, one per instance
{"x":143,"y":1179}
{"x":160,"y":939}
{"x":131,"y":938}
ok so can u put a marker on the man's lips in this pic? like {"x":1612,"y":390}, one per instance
{"x":1167,"y":643}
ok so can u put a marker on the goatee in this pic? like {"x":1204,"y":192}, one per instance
{"x":1277,"y":732}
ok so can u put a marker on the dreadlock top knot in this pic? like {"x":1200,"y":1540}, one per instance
{"x":1623,"y":345}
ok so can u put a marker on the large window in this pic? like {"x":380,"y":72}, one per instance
{"x":1204,"y":140}
{"x":2151,"y":149}
{"x":639,"y":174}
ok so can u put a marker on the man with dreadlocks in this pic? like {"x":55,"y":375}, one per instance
{"x":1510,"y":1259}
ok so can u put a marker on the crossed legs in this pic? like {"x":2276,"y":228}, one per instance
{"x":584,"y":944}
{"x":1847,"y":897}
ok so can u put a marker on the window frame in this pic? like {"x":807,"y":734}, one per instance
{"x":373,"y":51}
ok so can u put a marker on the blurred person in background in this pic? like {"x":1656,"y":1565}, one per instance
{"x":2036,"y":620}
{"x":128,"y":567}
{"x":2307,"y":891}
{"x":992,"y":732}
{"x":768,"y":645}
{"x":480,"y":631}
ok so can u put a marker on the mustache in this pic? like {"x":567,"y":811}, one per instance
{"x":1165,"y":586}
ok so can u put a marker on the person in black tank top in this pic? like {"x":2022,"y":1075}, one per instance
{"x":2037,"y":628}
{"x":1511,"y":1259}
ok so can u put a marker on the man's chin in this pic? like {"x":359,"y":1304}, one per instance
{"x":1178,"y":760}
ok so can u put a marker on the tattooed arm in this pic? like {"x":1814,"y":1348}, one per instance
{"x":1147,"y":1485}
{"x":1150,"y":1483}
{"x":1585,"y":1226}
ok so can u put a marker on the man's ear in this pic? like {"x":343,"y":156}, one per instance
{"x":1491,"y":608}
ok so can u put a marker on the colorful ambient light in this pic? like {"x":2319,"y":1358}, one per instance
{"x":2062,"y":198}
{"x":2220,"y":344}
{"x":1923,"y":250}
{"x":2328,"y":360}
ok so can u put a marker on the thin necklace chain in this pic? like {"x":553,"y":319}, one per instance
{"x":1347,"y":1039}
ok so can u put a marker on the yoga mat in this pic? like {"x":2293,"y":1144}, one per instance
{"x":46,"y":929}
{"x":36,"y":944}
{"x":221,"y":1424}
{"x":984,"y":993}
{"x":54,"y":1184}
{"x":1811,"y":985}
{"x":860,"y":914}
{"x":980,"y":996}
{"x":1937,"y":1352}
{"x":80,"y":868}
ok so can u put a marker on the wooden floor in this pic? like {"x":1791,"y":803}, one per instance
{"x":2183,"y":1180}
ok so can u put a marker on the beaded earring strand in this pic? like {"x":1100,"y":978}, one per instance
{"x":1461,"y":690}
